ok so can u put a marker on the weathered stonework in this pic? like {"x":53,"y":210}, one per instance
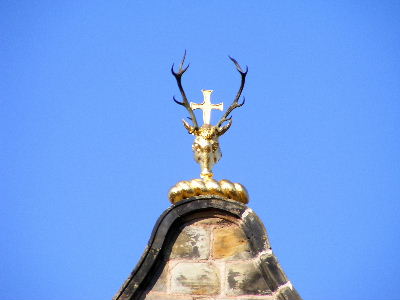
{"x":272,"y":270}
{"x":208,"y":248}
{"x":230,"y":242}
{"x":195,"y":278}
{"x":192,"y":242}
{"x":245,"y":278}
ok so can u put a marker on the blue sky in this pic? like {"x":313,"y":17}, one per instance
{"x":91,"y":140}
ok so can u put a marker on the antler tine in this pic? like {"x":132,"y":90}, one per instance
{"x":235,"y":103}
{"x":185,"y":102}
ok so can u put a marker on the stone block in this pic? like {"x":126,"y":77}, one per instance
{"x":192,"y":242}
{"x":230,"y":242}
{"x":256,"y":232}
{"x":245,"y":278}
{"x":288,"y":293}
{"x":195,"y":278}
{"x":272,"y":270}
{"x":162,"y":296}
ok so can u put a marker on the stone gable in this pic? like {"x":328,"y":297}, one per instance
{"x":210,"y":249}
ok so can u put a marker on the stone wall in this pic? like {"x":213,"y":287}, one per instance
{"x":212,"y":254}
{"x":211,"y":258}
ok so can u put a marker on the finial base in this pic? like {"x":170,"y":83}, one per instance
{"x":207,"y":176}
{"x":208,"y":186}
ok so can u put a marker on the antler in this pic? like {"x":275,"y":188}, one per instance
{"x":235,"y":103}
{"x":185,"y":102}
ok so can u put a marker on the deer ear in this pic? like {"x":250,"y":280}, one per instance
{"x":188,"y":127}
{"x":223,"y":129}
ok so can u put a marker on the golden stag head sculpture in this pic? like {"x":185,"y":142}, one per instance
{"x":206,"y":147}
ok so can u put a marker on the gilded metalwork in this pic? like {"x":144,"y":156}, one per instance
{"x":206,"y":147}
{"x":207,"y":106}
{"x":200,"y":187}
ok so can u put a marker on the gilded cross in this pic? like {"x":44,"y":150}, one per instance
{"x":207,"y":106}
